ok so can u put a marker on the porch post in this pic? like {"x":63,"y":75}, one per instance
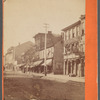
{"x":67,"y":68}
{"x":71,"y":66}
{"x":75,"y":67}
{"x":64,"y":68}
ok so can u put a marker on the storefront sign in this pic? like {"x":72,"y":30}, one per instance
{"x":71,"y":56}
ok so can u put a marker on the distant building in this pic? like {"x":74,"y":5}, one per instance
{"x":21,"y":49}
{"x":74,"y":48}
{"x":9,"y":56}
{"x":14,"y":54}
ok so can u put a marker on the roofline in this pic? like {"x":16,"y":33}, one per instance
{"x":72,"y":25}
{"x":38,"y":34}
{"x":44,"y":34}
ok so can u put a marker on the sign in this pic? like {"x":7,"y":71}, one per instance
{"x":71,"y":56}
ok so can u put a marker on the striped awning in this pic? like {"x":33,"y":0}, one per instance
{"x":36,"y":63}
{"x":48,"y":62}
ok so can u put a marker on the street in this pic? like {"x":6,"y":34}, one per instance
{"x":36,"y":88}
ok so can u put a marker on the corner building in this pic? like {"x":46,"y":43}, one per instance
{"x":74,"y":48}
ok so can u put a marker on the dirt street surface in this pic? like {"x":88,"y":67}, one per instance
{"x":35,"y":88}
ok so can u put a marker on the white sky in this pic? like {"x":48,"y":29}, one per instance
{"x":25,"y":18}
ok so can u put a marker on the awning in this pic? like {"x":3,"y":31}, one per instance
{"x":37,"y":63}
{"x":21,"y":65}
{"x":48,"y":62}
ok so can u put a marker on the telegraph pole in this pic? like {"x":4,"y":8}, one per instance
{"x":64,"y":53}
{"x":45,"y":66}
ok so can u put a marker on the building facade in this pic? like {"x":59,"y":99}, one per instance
{"x":40,"y":51}
{"x":14,"y":54}
{"x":74,"y":48}
{"x":58,"y":58}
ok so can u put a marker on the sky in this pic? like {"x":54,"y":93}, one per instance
{"x":25,"y":18}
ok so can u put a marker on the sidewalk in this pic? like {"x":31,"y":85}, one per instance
{"x":60,"y":78}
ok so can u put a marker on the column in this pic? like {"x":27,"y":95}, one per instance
{"x":64,"y":68}
{"x":84,"y":66}
{"x":80,"y":67}
{"x":64,"y":55}
{"x":75,"y":67}
{"x":71,"y":66}
{"x":67,"y":68}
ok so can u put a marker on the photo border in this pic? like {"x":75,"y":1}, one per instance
{"x":91,"y":51}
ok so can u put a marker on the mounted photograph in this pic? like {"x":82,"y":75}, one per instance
{"x":44,"y":49}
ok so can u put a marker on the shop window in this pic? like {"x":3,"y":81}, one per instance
{"x":77,"y":30}
{"x":68,"y":34}
{"x":73,"y":32}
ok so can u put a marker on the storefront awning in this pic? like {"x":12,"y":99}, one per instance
{"x":21,"y":65}
{"x":48,"y":62}
{"x":37,"y":63}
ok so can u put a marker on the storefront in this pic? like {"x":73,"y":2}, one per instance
{"x":74,"y":65}
{"x":49,"y":65}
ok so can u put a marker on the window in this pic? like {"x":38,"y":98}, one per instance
{"x":66,"y":35}
{"x":83,"y":28}
{"x":73,"y":35}
{"x":77,"y":30}
{"x":73,"y":32}
{"x":69,"y":34}
{"x":83,"y":32}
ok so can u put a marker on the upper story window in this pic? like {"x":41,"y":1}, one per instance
{"x":83,"y":28}
{"x":68,"y":34}
{"x":73,"y":32}
{"x":77,"y":30}
{"x":83,"y":32}
{"x":73,"y":35}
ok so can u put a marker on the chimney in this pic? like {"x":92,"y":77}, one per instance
{"x":49,"y":32}
{"x":82,"y":17}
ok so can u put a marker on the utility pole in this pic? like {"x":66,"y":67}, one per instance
{"x":14,"y":54}
{"x":45,"y":66}
{"x":64,"y":54}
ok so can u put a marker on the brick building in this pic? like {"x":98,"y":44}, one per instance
{"x":58,"y":58}
{"x":40,"y":52}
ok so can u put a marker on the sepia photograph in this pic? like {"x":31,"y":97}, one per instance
{"x":44,"y":49}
